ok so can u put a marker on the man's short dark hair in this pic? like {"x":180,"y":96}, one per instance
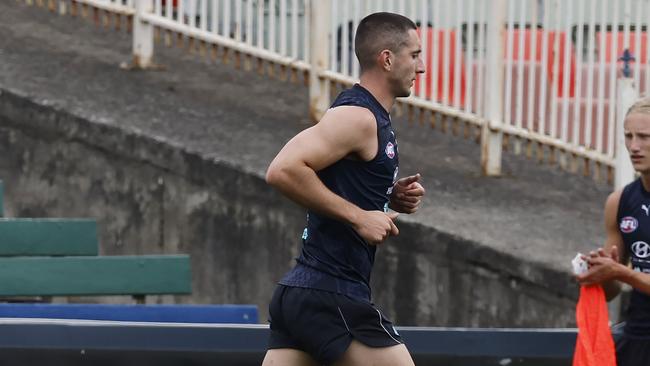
{"x":380,"y":31}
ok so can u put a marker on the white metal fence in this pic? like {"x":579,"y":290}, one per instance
{"x":542,"y":71}
{"x":275,"y":31}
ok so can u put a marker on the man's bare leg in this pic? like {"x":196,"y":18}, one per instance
{"x":288,"y":357}
{"x":358,"y":354}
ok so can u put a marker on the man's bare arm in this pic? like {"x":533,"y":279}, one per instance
{"x":343,"y":131}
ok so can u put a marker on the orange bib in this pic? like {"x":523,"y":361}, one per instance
{"x":594,"y":346}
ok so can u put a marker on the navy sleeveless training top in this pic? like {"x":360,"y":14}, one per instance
{"x":634,"y":224}
{"x":334,"y":257}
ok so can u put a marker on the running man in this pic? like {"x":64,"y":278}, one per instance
{"x":344,"y":171}
{"x":627,"y":226}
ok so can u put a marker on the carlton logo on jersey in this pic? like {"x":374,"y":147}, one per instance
{"x":390,"y":150}
{"x":628,"y":224}
{"x":641,"y":249}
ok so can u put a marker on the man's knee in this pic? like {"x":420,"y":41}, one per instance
{"x":288,"y":357}
{"x":358,"y":354}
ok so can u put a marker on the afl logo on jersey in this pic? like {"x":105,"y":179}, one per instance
{"x":641,"y":249}
{"x":628,"y":224}
{"x":390,"y":150}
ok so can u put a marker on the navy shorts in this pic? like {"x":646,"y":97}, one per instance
{"x":632,"y":352}
{"x":324,"y":323}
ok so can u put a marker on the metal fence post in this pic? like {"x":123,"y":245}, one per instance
{"x":491,"y":135}
{"x":319,"y":91}
{"x":142,"y":35}
{"x":626,"y":96}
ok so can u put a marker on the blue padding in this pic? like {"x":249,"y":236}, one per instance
{"x":140,"y":313}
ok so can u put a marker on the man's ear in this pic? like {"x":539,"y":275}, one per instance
{"x":386,"y":60}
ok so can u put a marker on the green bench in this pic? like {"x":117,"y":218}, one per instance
{"x":48,"y":237}
{"x":59,"y":257}
{"x":94,"y":276}
{"x":1,"y":202}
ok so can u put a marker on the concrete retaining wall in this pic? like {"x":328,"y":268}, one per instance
{"x":150,"y":196}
